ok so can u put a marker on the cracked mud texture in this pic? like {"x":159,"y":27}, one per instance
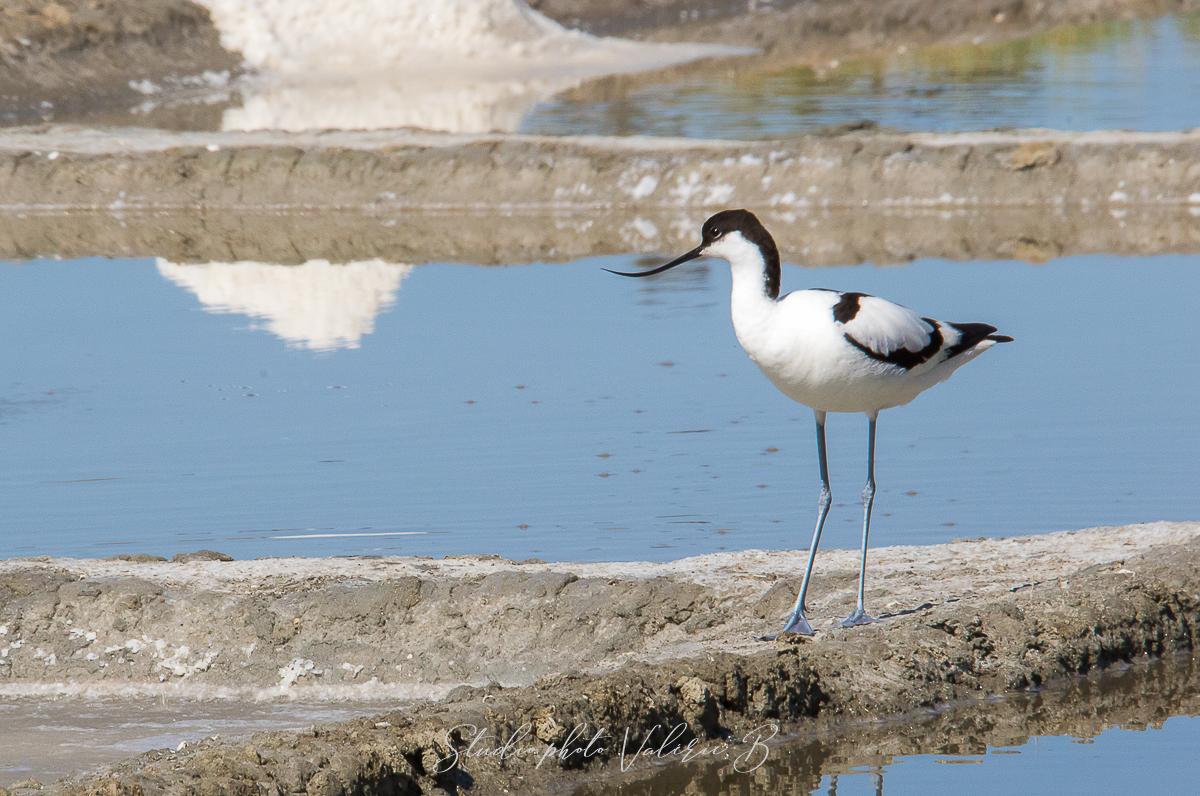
{"x":609,"y":645}
{"x":72,"y":168}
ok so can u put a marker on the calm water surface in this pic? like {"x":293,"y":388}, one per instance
{"x":49,"y":738}
{"x":557,"y":411}
{"x":1132,"y":731}
{"x":1118,"y":75}
{"x":1122,"y":74}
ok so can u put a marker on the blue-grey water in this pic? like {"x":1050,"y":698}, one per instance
{"x":1121,"y":731}
{"x":1125,"y":74}
{"x":560,"y":412}
{"x":1135,"y":75}
{"x":556,"y":411}
{"x":1090,"y":765}
{"x":46,"y":739}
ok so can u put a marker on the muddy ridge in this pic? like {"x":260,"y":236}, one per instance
{"x":555,"y":645}
{"x":814,"y":28}
{"x":84,"y":53}
{"x":73,"y":168}
{"x":1135,"y":697}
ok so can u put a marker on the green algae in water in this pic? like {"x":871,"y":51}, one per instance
{"x":1111,"y":75}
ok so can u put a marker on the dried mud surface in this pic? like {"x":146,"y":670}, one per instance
{"x":84,"y":53}
{"x":829,"y":28}
{"x":807,"y":27}
{"x":552,"y":646}
{"x":74,"y":168}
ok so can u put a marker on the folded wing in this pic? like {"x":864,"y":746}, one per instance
{"x":888,"y":332}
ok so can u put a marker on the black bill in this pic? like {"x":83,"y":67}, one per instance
{"x":692,"y":255}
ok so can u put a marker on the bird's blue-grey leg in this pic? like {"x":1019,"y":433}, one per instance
{"x":797,"y":622}
{"x":860,"y":617}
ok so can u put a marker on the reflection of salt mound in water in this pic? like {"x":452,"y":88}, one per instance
{"x":391,"y":63}
{"x":477,"y":108}
{"x":317,"y":305}
{"x":475,"y":37}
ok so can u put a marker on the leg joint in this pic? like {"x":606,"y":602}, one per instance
{"x":826,"y":497}
{"x":868,"y":493}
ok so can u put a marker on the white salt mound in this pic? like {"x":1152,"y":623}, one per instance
{"x":305,"y":37}
{"x":459,"y":107}
{"x":454,"y":65}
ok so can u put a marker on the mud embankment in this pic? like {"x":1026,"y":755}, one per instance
{"x":605,"y":645}
{"x":811,"y":29}
{"x":1139,"y":697}
{"x":84,"y":53}
{"x":65,"y":168}
{"x":421,"y":626}
{"x":412,"y":198}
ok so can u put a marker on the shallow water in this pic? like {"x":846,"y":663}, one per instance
{"x":1133,"y":731}
{"x":1077,"y":736}
{"x":556,"y":411}
{"x":1121,"y":74}
{"x":46,"y":739}
{"x":1116,"y":75}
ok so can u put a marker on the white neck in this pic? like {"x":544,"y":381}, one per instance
{"x":749,"y":299}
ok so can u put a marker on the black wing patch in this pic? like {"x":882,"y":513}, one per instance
{"x":902,"y":357}
{"x":847,"y":307}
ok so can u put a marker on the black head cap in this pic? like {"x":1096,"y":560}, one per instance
{"x":747,"y":223}
{"x":713,"y":232}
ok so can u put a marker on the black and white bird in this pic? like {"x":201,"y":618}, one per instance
{"x":833,"y":352}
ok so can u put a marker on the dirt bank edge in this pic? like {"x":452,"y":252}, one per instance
{"x":64,"y":167}
{"x":1009,"y":636}
{"x":86,"y":53}
{"x":818,"y":28}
